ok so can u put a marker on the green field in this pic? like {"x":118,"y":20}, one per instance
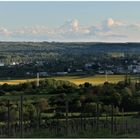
{"x":96,"y":79}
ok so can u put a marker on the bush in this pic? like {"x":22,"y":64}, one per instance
{"x":59,"y":115}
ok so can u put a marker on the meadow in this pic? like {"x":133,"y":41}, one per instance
{"x":93,"y":79}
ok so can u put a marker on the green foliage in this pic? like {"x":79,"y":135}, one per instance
{"x":59,"y":115}
{"x":91,"y":108}
{"x":42,"y":104}
{"x":120,"y":95}
{"x":108,"y":109}
{"x":126,"y":92}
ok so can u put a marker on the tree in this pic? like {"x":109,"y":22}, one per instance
{"x":87,"y":85}
{"x":92,"y":108}
{"x":3,"y":111}
{"x":76,"y":105}
{"x":82,"y":99}
{"x":29,"y":111}
{"x":108,"y":109}
{"x":42,"y":104}
{"x":116,"y":99}
{"x":126,"y":92}
{"x":126,"y":102}
{"x":2,"y":92}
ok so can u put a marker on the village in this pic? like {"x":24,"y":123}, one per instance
{"x":97,"y":67}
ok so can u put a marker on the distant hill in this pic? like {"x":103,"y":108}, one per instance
{"x":68,"y":47}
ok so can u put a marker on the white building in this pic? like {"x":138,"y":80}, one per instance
{"x":14,"y":63}
{"x":134,"y":68}
{"x":61,"y":73}
{"x":43,"y":73}
{"x":1,"y":64}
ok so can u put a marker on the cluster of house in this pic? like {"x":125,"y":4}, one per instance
{"x":112,"y":69}
{"x":134,"y":68}
{"x":11,"y":64}
{"x":100,"y":69}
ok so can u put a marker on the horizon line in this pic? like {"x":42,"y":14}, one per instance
{"x":72,"y":41}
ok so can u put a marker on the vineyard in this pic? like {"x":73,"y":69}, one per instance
{"x":31,"y":116}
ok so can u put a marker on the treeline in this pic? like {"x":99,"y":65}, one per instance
{"x":62,"y":46}
{"x":30,"y":51}
{"x":125,"y":94}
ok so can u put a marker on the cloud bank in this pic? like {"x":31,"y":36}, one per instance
{"x":109,"y":30}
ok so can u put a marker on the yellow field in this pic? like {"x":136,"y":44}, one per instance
{"x":15,"y":82}
{"x":97,"y":79}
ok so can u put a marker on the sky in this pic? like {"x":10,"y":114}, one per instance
{"x":70,"y":21}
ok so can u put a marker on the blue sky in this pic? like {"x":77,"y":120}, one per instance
{"x":70,"y":21}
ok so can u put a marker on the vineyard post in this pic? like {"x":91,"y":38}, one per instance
{"x":112,"y":119}
{"x":57,"y":125}
{"x":21,"y":116}
{"x":106,"y":119}
{"x":38,"y":118}
{"x":8,"y":107}
{"x":115,"y":125}
{"x":126,"y":126}
{"x":67,"y":111}
{"x":123,"y":119}
{"x":97,"y":126}
{"x":81,"y":117}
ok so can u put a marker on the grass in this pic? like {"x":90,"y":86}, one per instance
{"x":96,"y":79}
{"x":89,"y":133}
{"x":102,"y":133}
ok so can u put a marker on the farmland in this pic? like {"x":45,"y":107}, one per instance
{"x":96,"y":79}
{"x":16,"y":81}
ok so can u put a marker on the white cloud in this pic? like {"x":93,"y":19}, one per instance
{"x":134,"y":26}
{"x":111,"y":23}
{"x":73,"y":27}
{"x":4,"y":31}
{"x":70,"y":30}
{"x":109,"y":29}
{"x":108,"y":24}
{"x":36,"y":30}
